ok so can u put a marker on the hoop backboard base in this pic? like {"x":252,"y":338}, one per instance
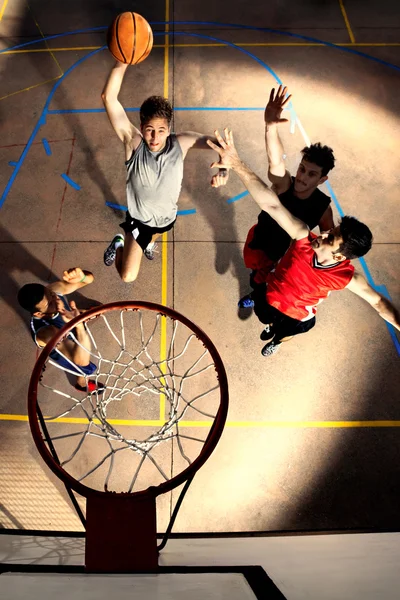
{"x":121,"y":533}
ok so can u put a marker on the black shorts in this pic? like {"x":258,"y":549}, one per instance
{"x":282,"y":325}
{"x":142,"y":233}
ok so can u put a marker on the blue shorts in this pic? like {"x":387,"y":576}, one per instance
{"x":63,"y":362}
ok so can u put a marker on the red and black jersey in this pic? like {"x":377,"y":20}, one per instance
{"x":299,"y":283}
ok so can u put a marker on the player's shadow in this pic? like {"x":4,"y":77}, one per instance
{"x":17,"y":260}
{"x":90,"y":146}
{"x":212,"y":204}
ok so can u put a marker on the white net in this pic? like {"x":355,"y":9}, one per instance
{"x":155,"y":399}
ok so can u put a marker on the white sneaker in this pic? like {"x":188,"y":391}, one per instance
{"x":150,"y":250}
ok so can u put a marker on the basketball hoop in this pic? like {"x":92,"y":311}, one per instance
{"x":161,"y":375}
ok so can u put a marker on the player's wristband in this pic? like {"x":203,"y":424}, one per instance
{"x":83,"y":278}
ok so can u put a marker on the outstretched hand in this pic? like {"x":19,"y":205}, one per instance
{"x":276,"y":105}
{"x":67,"y":315}
{"x":74,"y":275}
{"x":229,"y":157}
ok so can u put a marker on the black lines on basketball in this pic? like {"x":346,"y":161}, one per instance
{"x":130,"y":38}
{"x":117,"y":38}
{"x":147,"y":50}
{"x":134,"y":36}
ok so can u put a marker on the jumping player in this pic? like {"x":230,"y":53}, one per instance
{"x":266,"y":241}
{"x":50,"y":311}
{"x":154,"y":161}
{"x":312,"y":267}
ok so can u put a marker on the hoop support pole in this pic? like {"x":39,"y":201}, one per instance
{"x":121,"y":533}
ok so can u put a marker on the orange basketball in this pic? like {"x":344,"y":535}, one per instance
{"x":130,"y":38}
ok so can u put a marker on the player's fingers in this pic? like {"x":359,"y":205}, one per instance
{"x":213,"y":146}
{"x":271,"y":95}
{"x":72,"y":304}
{"x":220,"y":138}
{"x":229,"y":136}
{"x":286,"y":100}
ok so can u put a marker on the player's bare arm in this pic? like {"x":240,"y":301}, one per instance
{"x":125,"y":130}
{"x":326,"y":222}
{"x":192,"y":140}
{"x":45,"y":334}
{"x":359,"y":286}
{"x":78,"y":353}
{"x":265,"y":197}
{"x":73,"y":279}
{"x":277,"y":173}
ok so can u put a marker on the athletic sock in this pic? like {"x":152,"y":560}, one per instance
{"x":119,"y":243}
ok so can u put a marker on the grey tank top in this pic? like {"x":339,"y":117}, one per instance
{"x":153,"y":183}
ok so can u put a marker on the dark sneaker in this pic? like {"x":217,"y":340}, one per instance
{"x":111,"y":252}
{"x":266,"y":333}
{"x":150,"y":250}
{"x":270,"y":349}
{"x":91,"y":387}
{"x":246,"y":302}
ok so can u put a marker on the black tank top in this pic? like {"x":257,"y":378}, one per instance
{"x":271,"y":238}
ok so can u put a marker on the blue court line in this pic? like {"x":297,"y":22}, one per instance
{"x":218,"y":24}
{"x":46,"y":146}
{"x":283,"y":33}
{"x":42,"y":119}
{"x":238,"y":197}
{"x":12,"y":163}
{"x":70,"y":181}
{"x":190,"y":211}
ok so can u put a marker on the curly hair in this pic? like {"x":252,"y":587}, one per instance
{"x":155,"y":107}
{"x":321,"y":156}
{"x":357,"y":238}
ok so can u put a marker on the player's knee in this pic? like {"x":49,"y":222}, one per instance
{"x":128,"y":276}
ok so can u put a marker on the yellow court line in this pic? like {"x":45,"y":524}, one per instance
{"x":164,"y":245}
{"x":30,"y":87}
{"x":229,"y":424}
{"x":346,"y":20}
{"x":3,"y":8}
{"x":42,"y":34}
{"x":243,"y":45}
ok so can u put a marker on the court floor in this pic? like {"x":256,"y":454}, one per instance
{"x":312,"y":436}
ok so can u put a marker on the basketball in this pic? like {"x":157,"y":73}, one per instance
{"x":130,"y":38}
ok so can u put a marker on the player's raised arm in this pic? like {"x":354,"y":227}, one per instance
{"x":197,"y":141}
{"x":73,"y":279}
{"x":261,"y":193}
{"x":358,"y":285}
{"x":124,"y":129}
{"x":277,"y":173}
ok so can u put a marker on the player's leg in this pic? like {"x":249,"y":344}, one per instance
{"x":150,"y":248}
{"x":260,"y":265}
{"x":128,"y":259}
{"x":285,"y":328}
{"x":76,"y":358}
